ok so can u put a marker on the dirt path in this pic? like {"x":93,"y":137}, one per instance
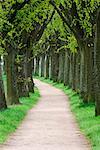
{"x":48,"y":126}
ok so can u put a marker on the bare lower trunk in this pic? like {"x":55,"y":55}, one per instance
{"x":47,"y":66}
{"x":97,"y":65}
{"x":30,"y":70}
{"x":74,"y":71}
{"x":77,"y":81}
{"x":12,"y":90}
{"x":89,"y":74}
{"x":86,"y":73}
{"x":70,"y":69}
{"x":66,"y":68}
{"x":42,"y":65}
{"x":22,"y":76}
{"x":54,"y":66}
{"x":61,"y":66}
{"x":50,"y":73}
{"x":36,"y":66}
{"x":2,"y":93}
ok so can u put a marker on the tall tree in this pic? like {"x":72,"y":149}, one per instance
{"x":97,"y":64}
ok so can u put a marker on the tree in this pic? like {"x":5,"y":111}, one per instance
{"x":26,"y":17}
{"x":79,"y":17}
{"x":97,"y":64}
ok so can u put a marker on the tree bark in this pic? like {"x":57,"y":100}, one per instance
{"x":54,"y":66}
{"x":47,"y":66}
{"x":3,"y":104}
{"x":74,"y":71}
{"x":36,"y":71}
{"x":70,"y":69}
{"x":83,"y":73}
{"x":97,"y":65}
{"x":22,"y":75}
{"x":89,"y":73}
{"x":50,"y":73}
{"x":61,"y":66}
{"x":30,"y":70}
{"x":12,"y":89}
{"x":66,"y":68}
{"x":77,"y":81}
{"x":40,"y":59}
{"x":42,"y":65}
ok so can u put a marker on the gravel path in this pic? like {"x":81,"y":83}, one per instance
{"x":48,"y":126}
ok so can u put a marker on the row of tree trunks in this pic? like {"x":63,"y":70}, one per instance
{"x":19,"y":74}
{"x":73,"y":69}
{"x":80,"y":71}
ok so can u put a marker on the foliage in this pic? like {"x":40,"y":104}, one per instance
{"x":72,"y":44}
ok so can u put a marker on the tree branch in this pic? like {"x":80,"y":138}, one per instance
{"x":64,"y":18}
{"x":38,"y":34}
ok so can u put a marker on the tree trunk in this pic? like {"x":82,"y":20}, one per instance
{"x":42,"y":65}
{"x":12,"y":90}
{"x":36,"y":71}
{"x":74,"y":71}
{"x":50,"y":73}
{"x":61,"y":66}
{"x":97,"y":65}
{"x":86,"y":72}
{"x":40,"y":59}
{"x":47,"y":66}
{"x":89,"y":75}
{"x":22,"y":76}
{"x":66,"y":68}
{"x":2,"y":93}
{"x":54,"y":66}
{"x":83,"y":74}
{"x":29,"y":64}
{"x":77,"y":81}
{"x":70,"y":69}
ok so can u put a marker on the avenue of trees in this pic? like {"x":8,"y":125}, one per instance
{"x":58,"y":39}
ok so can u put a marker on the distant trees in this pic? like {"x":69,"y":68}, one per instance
{"x":76,"y":64}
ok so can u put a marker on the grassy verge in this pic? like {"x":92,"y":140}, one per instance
{"x":84,"y":113}
{"x":12,"y":117}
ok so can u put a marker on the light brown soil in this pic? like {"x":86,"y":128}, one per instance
{"x":48,"y":126}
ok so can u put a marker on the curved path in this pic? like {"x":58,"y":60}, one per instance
{"x":48,"y":126}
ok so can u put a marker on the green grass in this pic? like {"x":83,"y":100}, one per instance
{"x":13,"y":116}
{"x":84,"y":113}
